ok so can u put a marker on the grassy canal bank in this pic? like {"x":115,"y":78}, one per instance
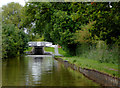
{"x":109,"y":68}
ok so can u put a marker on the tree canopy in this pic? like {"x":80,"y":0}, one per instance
{"x":12,"y":14}
{"x":65,"y":23}
{"x":14,"y":39}
{"x":58,"y":22}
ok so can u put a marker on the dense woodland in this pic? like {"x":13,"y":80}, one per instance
{"x":91,"y":29}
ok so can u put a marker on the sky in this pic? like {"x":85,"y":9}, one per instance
{"x":5,"y":2}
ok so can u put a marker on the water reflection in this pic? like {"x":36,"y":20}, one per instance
{"x":40,"y":71}
{"x":36,"y":69}
{"x":38,"y":59}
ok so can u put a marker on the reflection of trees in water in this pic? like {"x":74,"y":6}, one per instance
{"x":38,"y":59}
{"x":13,"y":72}
{"x":41,"y":71}
{"x":57,"y":76}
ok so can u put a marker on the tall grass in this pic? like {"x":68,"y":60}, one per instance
{"x":100,"y":52}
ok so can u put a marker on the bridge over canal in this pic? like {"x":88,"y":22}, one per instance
{"x":39,"y":47}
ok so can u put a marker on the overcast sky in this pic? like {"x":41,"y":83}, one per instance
{"x":4,"y":2}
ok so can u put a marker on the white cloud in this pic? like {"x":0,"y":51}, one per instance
{"x":5,"y":2}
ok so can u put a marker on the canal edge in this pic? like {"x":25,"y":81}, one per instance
{"x":99,"y":77}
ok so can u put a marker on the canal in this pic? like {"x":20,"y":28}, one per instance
{"x":40,"y":71}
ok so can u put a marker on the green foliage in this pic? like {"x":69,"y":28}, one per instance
{"x":38,"y":14}
{"x":51,"y":22}
{"x":36,"y":37}
{"x":59,"y":22}
{"x":63,"y":30}
{"x":107,"y":19}
{"x":41,"y":39}
{"x":14,"y":41}
{"x":100,"y":52}
{"x":11,"y":14}
{"x":83,"y":36}
{"x":28,"y":49}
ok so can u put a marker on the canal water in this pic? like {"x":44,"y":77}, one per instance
{"x":40,"y":71}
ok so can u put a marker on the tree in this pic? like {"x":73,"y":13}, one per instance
{"x":58,"y":22}
{"x":107,"y":19}
{"x":11,"y":14}
{"x":83,"y":36}
{"x":14,"y":41}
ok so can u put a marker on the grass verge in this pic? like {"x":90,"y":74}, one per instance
{"x":60,"y":50}
{"x":49,"y":49}
{"x":29,"y":49}
{"x":109,"y":68}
